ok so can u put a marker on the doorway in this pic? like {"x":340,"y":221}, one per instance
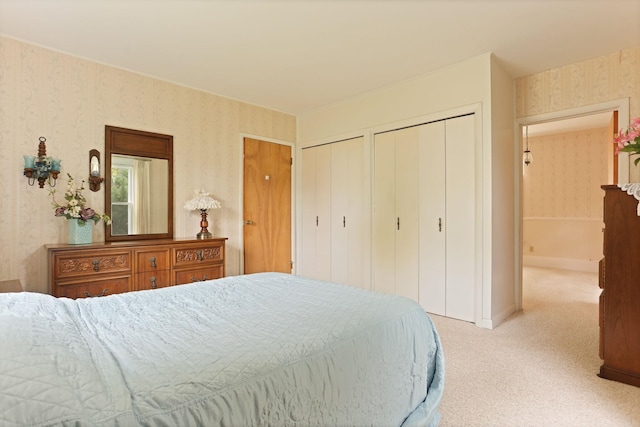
{"x":559,"y":119}
{"x":267,"y":207}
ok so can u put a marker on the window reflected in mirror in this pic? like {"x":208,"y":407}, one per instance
{"x":139,"y":187}
{"x":136,"y":206}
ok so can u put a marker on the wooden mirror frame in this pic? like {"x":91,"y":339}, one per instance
{"x":137,"y":143}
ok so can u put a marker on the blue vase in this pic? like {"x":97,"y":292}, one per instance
{"x":80,"y":231}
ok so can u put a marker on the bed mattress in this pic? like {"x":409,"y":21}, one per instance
{"x":266,"y":349}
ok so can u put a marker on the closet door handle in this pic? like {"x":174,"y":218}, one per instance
{"x":398,"y":223}
{"x":344,"y":222}
{"x":440,"y":225}
{"x":316,"y":220}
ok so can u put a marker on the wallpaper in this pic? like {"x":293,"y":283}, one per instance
{"x":563,"y":201}
{"x":564,"y":179}
{"x":69,"y":100}
{"x":601,"y":79}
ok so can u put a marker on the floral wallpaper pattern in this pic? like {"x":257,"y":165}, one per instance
{"x":69,"y":100}
{"x":564,"y":179}
{"x":601,"y":79}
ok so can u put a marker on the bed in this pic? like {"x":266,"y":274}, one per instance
{"x":266,"y":349}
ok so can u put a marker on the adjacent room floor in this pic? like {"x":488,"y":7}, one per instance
{"x":539,"y":367}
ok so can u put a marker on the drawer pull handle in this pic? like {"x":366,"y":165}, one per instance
{"x":199,"y":254}
{"x":204,"y":278}
{"x":153,"y":282}
{"x":96,"y":265}
{"x":193,"y":279}
{"x":152,"y":260}
{"x":88,"y":295}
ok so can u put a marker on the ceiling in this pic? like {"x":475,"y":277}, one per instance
{"x":296,"y":56}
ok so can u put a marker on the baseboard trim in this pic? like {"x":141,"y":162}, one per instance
{"x":560,"y":263}
{"x":497,"y":319}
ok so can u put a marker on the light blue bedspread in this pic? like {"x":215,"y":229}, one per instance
{"x":258,"y":350}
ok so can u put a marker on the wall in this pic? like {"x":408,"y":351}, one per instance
{"x":562,"y":199}
{"x":598,"y":80}
{"x":465,"y":87}
{"x":69,"y":101}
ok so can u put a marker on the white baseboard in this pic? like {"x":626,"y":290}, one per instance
{"x":560,"y":263}
{"x":497,"y":319}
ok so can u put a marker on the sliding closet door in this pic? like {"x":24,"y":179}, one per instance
{"x":460,"y":227}
{"x":316,"y":212}
{"x":433,"y":217}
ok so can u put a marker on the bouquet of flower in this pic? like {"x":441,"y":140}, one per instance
{"x":629,"y":140}
{"x":76,"y":204}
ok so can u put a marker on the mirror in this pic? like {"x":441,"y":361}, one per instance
{"x":138,"y":184}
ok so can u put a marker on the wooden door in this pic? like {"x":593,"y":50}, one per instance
{"x":267,"y":207}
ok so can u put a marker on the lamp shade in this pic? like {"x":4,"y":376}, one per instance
{"x":202,"y":202}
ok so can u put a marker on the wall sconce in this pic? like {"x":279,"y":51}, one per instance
{"x":202,"y":202}
{"x":94,"y":170}
{"x":41,"y":168}
{"x":527,"y":157}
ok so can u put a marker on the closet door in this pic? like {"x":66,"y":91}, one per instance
{"x":316,"y":212}
{"x":396,"y":213}
{"x":408,"y":195}
{"x":432,"y":222}
{"x":384,"y":213}
{"x":348,"y":216}
{"x":460,"y":208}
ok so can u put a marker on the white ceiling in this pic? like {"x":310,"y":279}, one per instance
{"x":296,"y":56}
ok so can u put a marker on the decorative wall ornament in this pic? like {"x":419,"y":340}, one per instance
{"x":41,"y":168}
{"x":94,"y":170}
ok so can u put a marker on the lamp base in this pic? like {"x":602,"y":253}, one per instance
{"x":201,"y":236}
{"x":204,"y":233}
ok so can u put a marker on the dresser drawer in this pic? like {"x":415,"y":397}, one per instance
{"x":152,"y":280}
{"x":197,"y":255}
{"x":198,"y":274}
{"x":152,"y":260}
{"x":88,"y":263}
{"x":95,"y":288}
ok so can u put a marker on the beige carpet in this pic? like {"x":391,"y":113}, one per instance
{"x":539,"y":367}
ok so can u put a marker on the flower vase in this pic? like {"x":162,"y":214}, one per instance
{"x":79,"y":231}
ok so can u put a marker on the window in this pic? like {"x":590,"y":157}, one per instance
{"x":121,"y":198}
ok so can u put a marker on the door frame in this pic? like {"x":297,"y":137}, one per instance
{"x":619,"y":105}
{"x":241,"y":192}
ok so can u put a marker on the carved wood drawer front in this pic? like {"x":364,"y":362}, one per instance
{"x":152,"y":280}
{"x":96,"y":288}
{"x":198,"y":274}
{"x":152,"y":260}
{"x":87,"y":263}
{"x":198,"y":255}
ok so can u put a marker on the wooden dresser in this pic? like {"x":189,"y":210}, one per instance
{"x":78,"y":271}
{"x":620,"y":283}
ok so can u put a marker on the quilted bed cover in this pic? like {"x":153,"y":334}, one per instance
{"x":267,"y":349}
